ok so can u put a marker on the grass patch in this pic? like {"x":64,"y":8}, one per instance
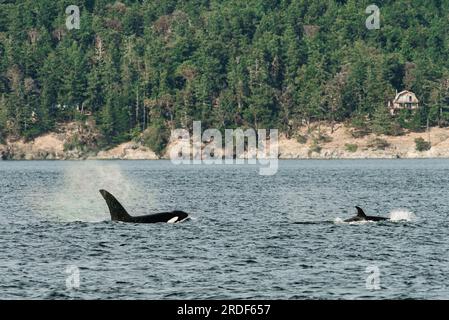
{"x":350,"y":147}
{"x":315,"y":147}
{"x":156,"y":138}
{"x":73,"y":143}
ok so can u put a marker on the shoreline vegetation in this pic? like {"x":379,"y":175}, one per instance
{"x":317,"y":141}
{"x":140,"y":69}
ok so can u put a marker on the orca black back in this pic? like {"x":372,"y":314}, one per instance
{"x":361,"y":216}
{"x":118,"y":213}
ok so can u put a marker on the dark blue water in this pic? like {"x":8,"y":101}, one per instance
{"x":251,"y":236}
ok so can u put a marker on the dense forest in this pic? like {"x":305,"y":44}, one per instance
{"x":153,"y":65}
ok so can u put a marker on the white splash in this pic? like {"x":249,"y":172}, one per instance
{"x":77,"y":198}
{"x":361,"y":222}
{"x":338,"y":220}
{"x":402,"y":215}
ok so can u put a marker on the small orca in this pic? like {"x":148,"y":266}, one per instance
{"x":361,"y":216}
{"x":118,"y":213}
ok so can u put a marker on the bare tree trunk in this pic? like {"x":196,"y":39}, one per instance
{"x":137,"y":107}
{"x":143,"y":119}
{"x":332,"y":123}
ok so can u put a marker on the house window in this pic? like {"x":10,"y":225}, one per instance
{"x":410,"y":98}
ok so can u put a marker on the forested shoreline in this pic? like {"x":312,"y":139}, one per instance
{"x":142,"y":68}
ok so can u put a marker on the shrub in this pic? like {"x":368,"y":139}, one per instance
{"x":135,"y":134}
{"x":324,"y":138}
{"x":315,"y":147}
{"x":422,"y":145}
{"x":301,"y":139}
{"x":396,"y":129}
{"x":351,"y":147}
{"x":388,"y":129}
{"x":31,"y":133}
{"x":156,"y":138}
{"x":360,"y":127}
{"x":384,"y":123}
{"x":356,"y":133}
{"x":72,"y":143}
{"x":378,"y":144}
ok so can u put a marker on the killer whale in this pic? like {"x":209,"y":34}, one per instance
{"x":118,"y":213}
{"x":361,"y":216}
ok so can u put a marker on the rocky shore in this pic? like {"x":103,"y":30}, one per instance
{"x":342,"y":145}
{"x":50,"y":147}
{"x":307,"y":144}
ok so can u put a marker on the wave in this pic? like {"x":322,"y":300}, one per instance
{"x":402,"y":215}
{"x":396,"y":215}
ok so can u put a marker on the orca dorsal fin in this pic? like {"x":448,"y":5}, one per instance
{"x":360,"y":212}
{"x":118,"y":213}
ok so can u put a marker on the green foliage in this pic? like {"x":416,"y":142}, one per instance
{"x":351,"y":147}
{"x":3,"y":119}
{"x":302,"y":139}
{"x":138,"y":65}
{"x":323,"y":138}
{"x":135,"y":134}
{"x":378,"y":144}
{"x":156,"y":138}
{"x":72,"y":143}
{"x":315,"y":147}
{"x":31,"y":132}
{"x":359,"y":126}
{"x":422,"y":145}
{"x":384,"y":123}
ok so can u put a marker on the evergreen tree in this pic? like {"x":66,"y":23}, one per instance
{"x":138,"y":65}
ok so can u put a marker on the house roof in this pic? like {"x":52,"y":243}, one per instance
{"x":403,"y":93}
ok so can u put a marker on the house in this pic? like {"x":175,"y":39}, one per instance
{"x":404,"y":100}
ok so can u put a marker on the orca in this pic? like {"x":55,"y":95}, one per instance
{"x":361,"y":216}
{"x":118,"y":213}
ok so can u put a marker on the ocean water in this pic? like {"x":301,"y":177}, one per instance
{"x":250,"y":236}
